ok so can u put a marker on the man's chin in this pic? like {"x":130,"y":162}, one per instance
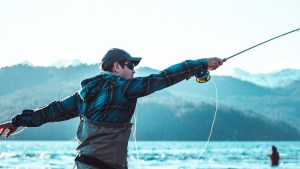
{"x":129,"y":77}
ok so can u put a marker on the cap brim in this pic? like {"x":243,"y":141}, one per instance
{"x":135,"y":60}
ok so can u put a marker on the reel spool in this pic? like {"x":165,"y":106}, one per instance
{"x":202,"y":76}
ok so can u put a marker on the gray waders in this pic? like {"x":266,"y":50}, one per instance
{"x":102,"y":145}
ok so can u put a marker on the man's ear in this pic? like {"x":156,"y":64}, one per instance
{"x":116,"y":67}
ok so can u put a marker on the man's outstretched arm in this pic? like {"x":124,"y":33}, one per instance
{"x":55,"y":111}
{"x":142,"y":86}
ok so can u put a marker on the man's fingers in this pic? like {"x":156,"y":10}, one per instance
{"x":220,"y":62}
{"x":9,"y":133}
{"x":214,"y":63}
{"x":2,"y":131}
{"x":213,"y":68}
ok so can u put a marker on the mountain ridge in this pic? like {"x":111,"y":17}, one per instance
{"x":276,"y":79}
{"x":182,"y":106}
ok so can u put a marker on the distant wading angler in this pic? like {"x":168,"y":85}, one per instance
{"x":274,"y":157}
{"x":105,"y":105}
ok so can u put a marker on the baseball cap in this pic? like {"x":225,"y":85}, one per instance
{"x":117,"y":55}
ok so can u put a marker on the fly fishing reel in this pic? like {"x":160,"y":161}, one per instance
{"x":202,"y":76}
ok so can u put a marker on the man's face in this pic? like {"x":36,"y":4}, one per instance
{"x":128,"y":70}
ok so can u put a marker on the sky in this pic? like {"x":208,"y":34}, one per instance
{"x":162,"y":32}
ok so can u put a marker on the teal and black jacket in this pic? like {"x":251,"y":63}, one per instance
{"x":107,"y":97}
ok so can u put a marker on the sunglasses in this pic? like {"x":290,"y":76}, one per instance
{"x":130,"y":65}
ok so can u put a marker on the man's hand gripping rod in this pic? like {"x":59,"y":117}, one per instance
{"x":203,"y":76}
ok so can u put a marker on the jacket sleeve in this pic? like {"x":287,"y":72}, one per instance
{"x":142,"y":86}
{"x":53,"y":112}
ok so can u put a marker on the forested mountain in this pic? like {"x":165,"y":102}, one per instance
{"x":184,"y":111}
{"x":275,"y":79}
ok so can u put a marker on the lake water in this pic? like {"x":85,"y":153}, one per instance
{"x":154,"y":154}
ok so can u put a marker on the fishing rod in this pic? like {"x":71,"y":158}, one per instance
{"x":203,"y":75}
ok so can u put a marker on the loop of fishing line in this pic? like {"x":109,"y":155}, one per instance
{"x":212,"y":126}
{"x":202,"y":151}
{"x":134,"y":136}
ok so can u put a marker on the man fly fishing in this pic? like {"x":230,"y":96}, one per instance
{"x":105,"y":104}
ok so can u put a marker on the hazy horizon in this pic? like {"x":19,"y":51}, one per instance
{"x":65,"y":63}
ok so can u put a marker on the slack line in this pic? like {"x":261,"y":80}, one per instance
{"x":203,"y":76}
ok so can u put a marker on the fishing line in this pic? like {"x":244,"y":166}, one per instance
{"x":212,"y":125}
{"x":134,"y":135}
{"x":202,"y":151}
{"x":203,"y":76}
{"x":18,"y":131}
